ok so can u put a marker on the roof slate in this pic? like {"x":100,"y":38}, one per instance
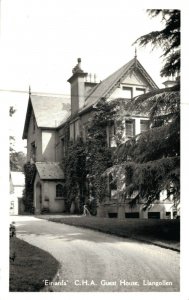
{"x":103,"y":88}
{"x":50,"y":111}
{"x":49,"y":170}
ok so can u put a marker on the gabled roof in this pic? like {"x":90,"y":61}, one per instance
{"x":108,"y":85}
{"x":49,"y":170}
{"x":49,"y":112}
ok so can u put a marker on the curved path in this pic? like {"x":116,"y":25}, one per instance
{"x":92,"y":261}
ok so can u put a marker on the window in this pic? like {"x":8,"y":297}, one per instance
{"x":139,"y":91}
{"x":72,"y":132}
{"x":63,"y":147}
{"x":130,"y":128}
{"x":127,"y":92}
{"x":144,"y":125}
{"x":168,"y":215}
{"x":154,"y":215}
{"x":77,"y":129}
{"x":33,"y":151}
{"x":112,"y":215}
{"x":111,"y":136}
{"x":132,"y":215}
{"x":59,"y":191}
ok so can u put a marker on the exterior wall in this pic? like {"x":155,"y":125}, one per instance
{"x":105,"y":209}
{"x":35,"y":200}
{"x":60,"y":134}
{"x":16,"y":204}
{"x":134,"y":81}
{"x":48,"y":196}
{"x":54,"y":204}
{"x":34,"y":136}
{"x":48,"y":145}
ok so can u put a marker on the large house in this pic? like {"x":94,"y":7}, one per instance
{"x":46,"y":136}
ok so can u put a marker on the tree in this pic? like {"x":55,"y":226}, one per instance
{"x":17,"y":159}
{"x":151,"y":160}
{"x":168,"y":39}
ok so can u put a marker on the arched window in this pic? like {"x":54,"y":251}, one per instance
{"x":59,"y":190}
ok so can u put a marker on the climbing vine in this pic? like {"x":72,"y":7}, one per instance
{"x":74,"y":164}
{"x":29,"y":171}
{"x":84,"y":162}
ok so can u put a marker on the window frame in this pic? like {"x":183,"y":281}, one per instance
{"x":60,"y":195}
{"x":128,"y":88}
{"x":146,"y":122}
{"x":131,"y":121}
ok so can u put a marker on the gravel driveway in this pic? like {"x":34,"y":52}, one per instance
{"x":94,"y":261}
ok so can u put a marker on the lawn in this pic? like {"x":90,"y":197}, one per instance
{"x":165,"y":233}
{"x":30,"y":267}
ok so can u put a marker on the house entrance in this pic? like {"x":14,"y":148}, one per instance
{"x":38,"y":198}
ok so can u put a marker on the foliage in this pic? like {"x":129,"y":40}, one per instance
{"x":13,"y":163}
{"x":74,"y":164}
{"x":17,"y":161}
{"x":85,"y":162}
{"x":99,"y":155}
{"x":168,"y":39}
{"x":29,"y":171}
{"x":152,"y":159}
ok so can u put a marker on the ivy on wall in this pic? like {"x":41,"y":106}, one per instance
{"x":84,"y":163}
{"x":74,"y":165}
{"x":29,"y":171}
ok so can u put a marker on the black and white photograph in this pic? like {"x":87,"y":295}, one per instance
{"x":90,"y":91}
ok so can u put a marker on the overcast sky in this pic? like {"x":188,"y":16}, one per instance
{"x":42,"y":39}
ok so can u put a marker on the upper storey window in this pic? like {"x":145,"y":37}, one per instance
{"x":127,"y":92}
{"x":74,"y":130}
{"x":33,"y":152}
{"x":144,"y":125}
{"x":139,"y":91}
{"x":130,"y":128}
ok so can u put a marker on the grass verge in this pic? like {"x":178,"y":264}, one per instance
{"x":30,"y":267}
{"x":165,"y":233}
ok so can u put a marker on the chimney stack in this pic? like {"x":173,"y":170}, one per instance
{"x":77,"y":82}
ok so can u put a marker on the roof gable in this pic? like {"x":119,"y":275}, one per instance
{"x":50,"y":112}
{"x":105,"y":88}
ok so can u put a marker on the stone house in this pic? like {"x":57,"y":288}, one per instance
{"x":46,"y":135}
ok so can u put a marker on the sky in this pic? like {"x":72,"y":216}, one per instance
{"x":42,"y":39}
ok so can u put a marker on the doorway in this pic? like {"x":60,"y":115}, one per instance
{"x":38,"y":198}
